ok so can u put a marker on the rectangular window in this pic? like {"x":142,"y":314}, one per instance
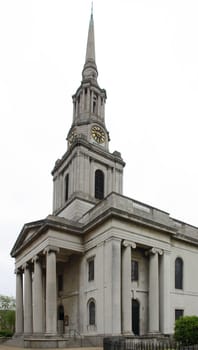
{"x":91,"y":270}
{"x":60,"y":283}
{"x":178,"y":313}
{"x":134,"y":270}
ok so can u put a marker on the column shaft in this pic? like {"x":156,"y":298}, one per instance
{"x":126,"y":291}
{"x":37,"y":297}
{"x":153,"y":293}
{"x":165,"y":293}
{"x":112,"y":297}
{"x":27,"y":300}
{"x":51,"y":292}
{"x":19,"y":302}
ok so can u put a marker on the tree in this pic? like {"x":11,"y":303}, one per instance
{"x":7,"y":313}
{"x":7,"y":303}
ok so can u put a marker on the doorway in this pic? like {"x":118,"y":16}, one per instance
{"x":135,"y":317}
{"x":61,"y":319}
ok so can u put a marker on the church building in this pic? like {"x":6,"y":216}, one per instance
{"x":102,"y":264}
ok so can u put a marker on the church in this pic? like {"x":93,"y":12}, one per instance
{"x":102,"y":264}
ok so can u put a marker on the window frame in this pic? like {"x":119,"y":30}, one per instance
{"x":92,"y":312}
{"x":179,"y":273}
{"x":99,"y":184}
{"x":66,"y":187}
{"x":91,"y":269}
{"x":177,"y":312}
{"x":134,"y":270}
{"x":60,"y":282}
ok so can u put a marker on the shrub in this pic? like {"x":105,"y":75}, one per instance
{"x":186,"y":330}
{"x":6,"y":333}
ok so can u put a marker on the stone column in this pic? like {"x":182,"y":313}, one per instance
{"x":37,"y":297}
{"x":112,"y":291}
{"x":19,"y":301}
{"x":51,"y":290}
{"x":165,"y":293}
{"x":27,"y":299}
{"x":126,"y":287}
{"x":154,"y":290}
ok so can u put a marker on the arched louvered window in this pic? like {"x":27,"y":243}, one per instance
{"x":66,"y":187}
{"x":179,"y":273}
{"x":99,"y":184}
{"x":92,"y":312}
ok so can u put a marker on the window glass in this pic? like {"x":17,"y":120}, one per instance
{"x":92,"y":313}
{"x":99,"y":184}
{"x":179,"y":273}
{"x":91,"y":270}
{"x":60,"y":283}
{"x":66,"y":187}
{"x":134,"y":270}
{"x":178,"y":313}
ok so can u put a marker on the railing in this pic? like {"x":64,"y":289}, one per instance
{"x":121,"y":343}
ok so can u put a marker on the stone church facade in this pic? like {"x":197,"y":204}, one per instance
{"x":102,"y":263}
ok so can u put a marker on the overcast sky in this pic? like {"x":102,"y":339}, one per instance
{"x":147,"y":57}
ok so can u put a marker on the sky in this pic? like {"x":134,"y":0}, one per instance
{"x":147,"y":58}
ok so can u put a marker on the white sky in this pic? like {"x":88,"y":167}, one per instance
{"x":147,"y":57}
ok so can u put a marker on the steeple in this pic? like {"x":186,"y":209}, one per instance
{"x":87,"y":172}
{"x":89,"y":101}
{"x":90,"y":69}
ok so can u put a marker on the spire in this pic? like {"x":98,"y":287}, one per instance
{"x":90,"y":69}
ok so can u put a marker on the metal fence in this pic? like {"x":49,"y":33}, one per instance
{"x":122,"y":343}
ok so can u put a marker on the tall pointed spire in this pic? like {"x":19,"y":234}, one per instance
{"x":90,"y":69}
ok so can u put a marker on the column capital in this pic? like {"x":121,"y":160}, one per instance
{"x":18,"y":271}
{"x":26,"y":266}
{"x":35,"y":258}
{"x":49,"y":249}
{"x":131,"y":244}
{"x":153,"y":251}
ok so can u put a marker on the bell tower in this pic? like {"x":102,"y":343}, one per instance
{"x":87,"y":172}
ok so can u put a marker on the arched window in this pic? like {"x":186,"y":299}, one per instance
{"x":92,"y":312}
{"x":179,"y":273}
{"x":66,"y":187}
{"x":99,"y":184}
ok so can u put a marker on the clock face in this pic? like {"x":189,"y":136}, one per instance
{"x":98,"y":134}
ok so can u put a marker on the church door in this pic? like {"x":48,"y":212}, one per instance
{"x":135,"y":317}
{"x":61,"y":319}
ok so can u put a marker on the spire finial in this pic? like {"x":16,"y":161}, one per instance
{"x":90,"y":69}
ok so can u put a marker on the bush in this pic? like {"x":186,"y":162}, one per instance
{"x":6,"y":333}
{"x":186,"y":330}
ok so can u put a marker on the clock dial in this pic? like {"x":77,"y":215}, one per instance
{"x":98,"y":134}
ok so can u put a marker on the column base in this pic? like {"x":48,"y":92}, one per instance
{"x":128,"y":333}
{"x":51,"y":335}
{"x":154,"y":334}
